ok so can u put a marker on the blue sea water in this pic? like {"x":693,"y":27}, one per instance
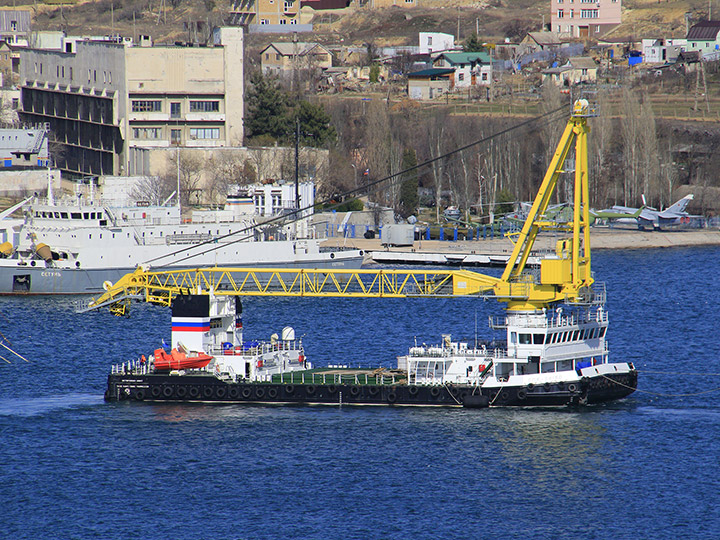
{"x":73,"y":466}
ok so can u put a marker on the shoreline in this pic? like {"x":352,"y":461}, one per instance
{"x":600,"y":238}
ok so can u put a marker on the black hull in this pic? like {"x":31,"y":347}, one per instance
{"x":206,"y":388}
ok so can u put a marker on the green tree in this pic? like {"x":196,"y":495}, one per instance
{"x":504,"y":203}
{"x":473,"y":44}
{"x":267,"y":109}
{"x":409,"y":184}
{"x":316,"y":128}
{"x":374,"y":73}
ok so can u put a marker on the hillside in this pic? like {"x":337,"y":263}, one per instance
{"x":496,"y":19}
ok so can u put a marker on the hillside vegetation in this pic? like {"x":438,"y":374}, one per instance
{"x":496,"y":19}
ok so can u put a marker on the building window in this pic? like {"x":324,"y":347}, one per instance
{"x":147,"y":133}
{"x":560,"y":13}
{"x":204,"y":133}
{"x":287,"y":6}
{"x":264,"y":21}
{"x":572,"y":13}
{"x":484,"y":76}
{"x":277,"y":57}
{"x":146,"y":106}
{"x":175,"y":137}
{"x":204,"y":106}
{"x":283,"y":21}
{"x":461,"y":76}
{"x":175,"y":109}
{"x":429,"y":40}
{"x":294,"y":21}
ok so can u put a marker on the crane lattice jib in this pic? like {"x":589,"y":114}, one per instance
{"x":161,"y":287}
{"x":564,"y":277}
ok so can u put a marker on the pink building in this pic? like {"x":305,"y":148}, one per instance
{"x":584,"y":18}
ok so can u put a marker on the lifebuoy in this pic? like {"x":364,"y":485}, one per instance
{"x":260,"y":392}
{"x":207,"y":392}
{"x":272,"y":393}
{"x":167,"y":391}
{"x":332,"y":388}
{"x":547,"y":386}
{"x":194,"y":391}
{"x":374,"y":390}
{"x":289,"y":389}
{"x":572,"y":387}
{"x":435,"y":391}
{"x":413,"y":390}
{"x":391,"y":397}
{"x":233,"y":392}
{"x":354,"y":390}
{"x":522,"y":394}
{"x":246,"y":392}
{"x":156,"y":391}
{"x":220,"y":391}
{"x":181,"y":391}
{"x":530,"y":387}
{"x":310,"y":389}
{"x":140,"y":395}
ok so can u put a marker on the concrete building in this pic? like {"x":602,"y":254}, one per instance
{"x":656,"y":51}
{"x":24,"y":147}
{"x":265,"y":12}
{"x":430,"y":83}
{"x":704,"y":37}
{"x":282,"y":59}
{"x":14,"y":25}
{"x":434,"y":42}
{"x":111,"y":102}
{"x":580,"y":69}
{"x":584,"y":18}
{"x":471,"y":69}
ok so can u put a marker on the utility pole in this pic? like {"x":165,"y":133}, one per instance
{"x":297,"y":162}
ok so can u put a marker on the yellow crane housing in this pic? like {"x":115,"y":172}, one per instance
{"x":565,"y":275}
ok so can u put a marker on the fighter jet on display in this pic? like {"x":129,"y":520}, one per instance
{"x":646,"y":217}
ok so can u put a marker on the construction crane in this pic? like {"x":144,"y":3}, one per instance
{"x":565,"y":275}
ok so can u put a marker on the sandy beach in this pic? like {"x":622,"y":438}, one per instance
{"x":600,"y":238}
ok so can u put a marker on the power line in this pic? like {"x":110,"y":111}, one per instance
{"x":293,"y":216}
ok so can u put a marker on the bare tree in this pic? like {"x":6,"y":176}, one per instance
{"x":223,"y":170}
{"x":436,"y":145}
{"x":551,"y":131}
{"x":377,"y":147}
{"x":153,"y":189}
{"x":630,"y":128}
{"x":600,"y":141}
{"x":649,"y":158}
{"x":185,"y":170}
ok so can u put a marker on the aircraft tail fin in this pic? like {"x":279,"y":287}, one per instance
{"x":680,"y":205}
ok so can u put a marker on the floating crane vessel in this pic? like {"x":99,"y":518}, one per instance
{"x":555,"y":352}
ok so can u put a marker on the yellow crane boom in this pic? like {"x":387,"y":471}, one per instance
{"x":564,"y":275}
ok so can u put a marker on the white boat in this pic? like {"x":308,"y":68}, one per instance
{"x":548,"y":358}
{"x":75,"y":246}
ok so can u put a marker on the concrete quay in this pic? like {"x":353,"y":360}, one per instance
{"x":600,"y":238}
